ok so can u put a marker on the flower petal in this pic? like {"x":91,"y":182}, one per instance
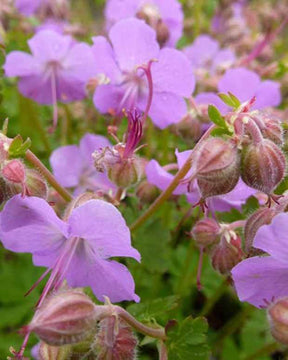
{"x":268,"y":94}
{"x":107,"y":98}
{"x":173,"y":73}
{"x":19,"y":63}
{"x":134,"y":43}
{"x":167,"y":109}
{"x":105,"y":59}
{"x":48,"y":45}
{"x":36,"y":87}
{"x":260,"y":279}
{"x":240,"y":82}
{"x":210,"y":98}
{"x":106,"y":278}
{"x":67,"y":165}
{"x":89,"y":143}
{"x":273,"y":238}
{"x":103,"y":226}
{"x":30,"y":225}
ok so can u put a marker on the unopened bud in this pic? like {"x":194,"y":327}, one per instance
{"x":48,"y":352}
{"x":206,"y":232}
{"x":227,"y":254}
{"x":14,"y":171}
{"x":270,"y":126}
{"x":66,"y":318}
{"x":254,"y":222}
{"x":115,"y":340}
{"x":147,"y":192}
{"x":162,"y":32}
{"x":218,"y":167}
{"x":35,"y":184}
{"x":263,"y":166}
{"x":190,"y":128}
{"x":278,"y":319}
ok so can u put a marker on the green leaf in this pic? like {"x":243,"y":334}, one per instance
{"x":216,"y":117}
{"x":146,"y":311}
{"x":152,"y":242}
{"x":18,"y":148}
{"x":220,"y":132}
{"x":230,"y":100}
{"x":187,"y":340}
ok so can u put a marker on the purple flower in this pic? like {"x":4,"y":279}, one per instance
{"x":260,"y":280}
{"x":205,"y":54}
{"x":161,"y":178}
{"x":134,"y":45}
{"x":73,"y":165}
{"x":245,"y":84}
{"x":77,"y":250}
{"x":28,"y":7}
{"x":57,"y":70}
{"x":167,"y":11}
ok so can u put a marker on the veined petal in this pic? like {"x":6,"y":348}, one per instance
{"x":105,"y":59}
{"x":67,"y":165}
{"x":173,"y":73}
{"x":260,"y":279}
{"x":106,"y":278}
{"x":167,"y":109}
{"x":48,"y":45}
{"x":134,"y":43}
{"x":104,"y":228}
{"x":19,"y":63}
{"x":108,"y":97}
{"x":273,"y":238}
{"x":30,"y":225}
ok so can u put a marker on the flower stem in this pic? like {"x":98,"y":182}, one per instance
{"x":32,"y":159}
{"x":158,"y":333}
{"x":172,"y":186}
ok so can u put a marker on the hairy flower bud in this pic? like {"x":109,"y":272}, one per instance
{"x":263,"y":166}
{"x":278,"y":318}
{"x":270,"y":126}
{"x":206,"y":232}
{"x":227,"y":254}
{"x":147,"y":192}
{"x":217,"y":167}
{"x":189,"y":128}
{"x":65,"y":318}
{"x":254,"y":222}
{"x":48,"y":352}
{"x":36,"y":184}
{"x":14,"y":171}
{"x":115,"y":340}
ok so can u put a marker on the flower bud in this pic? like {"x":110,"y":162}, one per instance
{"x":48,"y":352}
{"x":65,"y":318}
{"x":218,"y":167}
{"x":270,"y":126}
{"x":278,"y":318}
{"x":14,"y":171}
{"x":35,"y":184}
{"x":206,"y":232}
{"x":227,"y":254}
{"x":162,"y":32}
{"x":189,"y":128}
{"x":254,"y":222}
{"x":263,"y":166}
{"x":115,"y":340}
{"x":147,"y":192}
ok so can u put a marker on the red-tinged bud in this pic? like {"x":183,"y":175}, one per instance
{"x":36,"y":184}
{"x":206,"y":232}
{"x":162,"y":32}
{"x":66,"y":318}
{"x":147,"y":192}
{"x":278,"y":318}
{"x":115,"y":340}
{"x":14,"y":171}
{"x":254,"y":222}
{"x":218,"y":167}
{"x":227,"y":254}
{"x":263,"y":166}
{"x":270,"y":126}
{"x":58,"y":9}
{"x":48,"y":352}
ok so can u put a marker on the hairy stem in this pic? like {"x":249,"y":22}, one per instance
{"x":33,"y":160}
{"x":165,"y":195}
